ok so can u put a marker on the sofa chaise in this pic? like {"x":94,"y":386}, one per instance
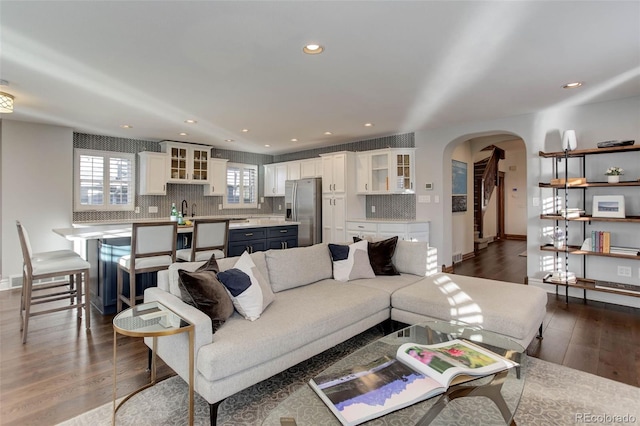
{"x":312,"y":312}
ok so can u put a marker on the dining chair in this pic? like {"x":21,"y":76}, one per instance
{"x":209,"y":238}
{"x":153,"y":248}
{"x":51,"y":266}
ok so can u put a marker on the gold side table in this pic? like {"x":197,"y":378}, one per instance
{"x":154,"y":320}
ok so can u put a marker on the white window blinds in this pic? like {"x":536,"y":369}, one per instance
{"x":242,"y":186}
{"x":104,"y":180}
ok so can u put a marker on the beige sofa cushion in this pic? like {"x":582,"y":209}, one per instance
{"x":298,"y":266}
{"x":411,"y":257}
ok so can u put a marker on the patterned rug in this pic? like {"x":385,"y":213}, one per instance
{"x":553,"y":395}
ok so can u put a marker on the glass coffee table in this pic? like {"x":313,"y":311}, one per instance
{"x":500,"y":392}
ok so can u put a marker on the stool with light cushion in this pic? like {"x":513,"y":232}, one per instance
{"x":48,"y":265}
{"x":153,"y":248}
{"x":209,"y":238}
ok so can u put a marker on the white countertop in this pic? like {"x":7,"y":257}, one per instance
{"x":123,"y":230}
{"x":401,"y":221}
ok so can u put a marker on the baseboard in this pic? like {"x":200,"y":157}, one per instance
{"x":468,"y":256}
{"x":515,"y":237}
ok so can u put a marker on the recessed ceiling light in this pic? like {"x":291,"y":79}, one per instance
{"x":313,"y":49}
{"x":183,"y":134}
{"x":328,"y":133}
{"x":245,"y":130}
{"x":228,"y":140}
{"x":267,"y":145}
{"x":126,"y":126}
{"x":190,"y":121}
{"x":572,"y":85}
{"x":294,"y":140}
{"x":368,"y":124}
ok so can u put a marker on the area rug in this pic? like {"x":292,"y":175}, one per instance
{"x":553,"y":395}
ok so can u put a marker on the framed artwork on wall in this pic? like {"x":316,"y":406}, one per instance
{"x":608,"y":206}
{"x":459,"y":186}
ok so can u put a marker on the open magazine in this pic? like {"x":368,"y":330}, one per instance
{"x":417,"y":373}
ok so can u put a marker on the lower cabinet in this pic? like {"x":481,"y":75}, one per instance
{"x":409,"y":230}
{"x":261,"y":239}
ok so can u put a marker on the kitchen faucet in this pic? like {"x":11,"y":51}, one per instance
{"x":193,"y":209}
{"x":184,"y":208}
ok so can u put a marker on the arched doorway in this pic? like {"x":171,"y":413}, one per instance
{"x":504,"y":211}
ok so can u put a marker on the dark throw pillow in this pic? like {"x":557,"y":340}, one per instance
{"x":380,"y":255}
{"x":210,"y":265}
{"x":202,"y":290}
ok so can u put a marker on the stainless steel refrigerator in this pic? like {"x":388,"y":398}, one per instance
{"x":303,"y":203}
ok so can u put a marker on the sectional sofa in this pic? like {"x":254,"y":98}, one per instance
{"x":311,"y":312}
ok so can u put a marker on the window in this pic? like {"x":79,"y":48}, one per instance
{"x":103,"y":180}
{"x":242,"y":186}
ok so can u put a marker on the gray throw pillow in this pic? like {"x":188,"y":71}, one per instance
{"x":202,"y":290}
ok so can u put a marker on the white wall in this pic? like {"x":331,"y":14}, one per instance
{"x":37,"y":188}
{"x":462,"y":222}
{"x":540,"y":132}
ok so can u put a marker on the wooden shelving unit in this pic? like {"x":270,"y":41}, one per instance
{"x":584,"y":283}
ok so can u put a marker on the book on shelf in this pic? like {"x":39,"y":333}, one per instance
{"x":561,"y":277}
{"x":630,"y":251}
{"x":600,"y":241}
{"x":627,"y":288}
{"x":418,"y":372}
{"x":571,"y":213}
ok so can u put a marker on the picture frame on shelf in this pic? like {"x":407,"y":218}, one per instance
{"x":608,"y":206}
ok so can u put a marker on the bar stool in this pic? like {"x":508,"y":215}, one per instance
{"x":209,"y":238}
{"x":153,"y":248}
{"x":47,"y":265}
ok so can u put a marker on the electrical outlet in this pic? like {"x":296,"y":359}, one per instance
{"x":436,"y":198}
{"x":153,"y":209}
{"x":137,"y":210}
{"x":624,"y":271}
{"x":219,"y":206}
{"x":279,"y":206}
{"x":373,"y":209}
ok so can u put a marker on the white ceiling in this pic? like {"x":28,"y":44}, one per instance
{"x":403,"y":66}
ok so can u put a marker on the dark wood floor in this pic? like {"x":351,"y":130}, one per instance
{"x":599,"y":338}
{"x":63,"y":371}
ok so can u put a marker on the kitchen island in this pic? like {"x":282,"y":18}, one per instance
{"x":104,"y":243}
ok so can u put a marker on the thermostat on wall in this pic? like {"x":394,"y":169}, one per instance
{"x":428,"y":186}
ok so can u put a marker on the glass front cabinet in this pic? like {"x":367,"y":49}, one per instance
{"x":187,"y":163}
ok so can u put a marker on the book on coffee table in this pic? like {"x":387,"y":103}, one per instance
{"x":418,"y":372}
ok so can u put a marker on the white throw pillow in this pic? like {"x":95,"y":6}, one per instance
{"x":249,"y":291}
{"x":351,"y":262}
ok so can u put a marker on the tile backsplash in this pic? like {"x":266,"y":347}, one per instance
{"x":387,"y":206}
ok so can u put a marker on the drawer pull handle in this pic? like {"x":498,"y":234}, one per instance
{"x":283,"y":231}
{"x":249,"y":234}
{"x":360,"y":226}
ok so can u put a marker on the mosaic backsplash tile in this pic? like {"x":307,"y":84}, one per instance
{"x":387,"y":206}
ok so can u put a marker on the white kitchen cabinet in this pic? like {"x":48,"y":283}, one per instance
{"x":275,"y":176}
{"x":405,"y":230}
{"x":311,"y":167}
{"x":293,"y":170}
{"x":188,"y":163}
{"x":334,"y":210}
{"x":153,"y":173}
{"x":217,"y":177}
{"x":385,"y":171}
{"x":336,"y":168}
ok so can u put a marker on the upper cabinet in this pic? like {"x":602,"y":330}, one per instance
{"x":217,"y":183}
{"x":153,"y":173}
{"x":386,"y":171}
{"x":334,"y":171}
{"x":275,"y":176}
{"x":311,"y":167}
{"x":187,"y":163}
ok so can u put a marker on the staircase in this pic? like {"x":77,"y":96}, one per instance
{"x":485,"y":179}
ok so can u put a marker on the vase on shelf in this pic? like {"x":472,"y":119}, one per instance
{"x":613,"y":178}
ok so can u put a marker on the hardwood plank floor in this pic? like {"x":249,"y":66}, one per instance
{"x":599,"y":338}
{"x":63,"y":371}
